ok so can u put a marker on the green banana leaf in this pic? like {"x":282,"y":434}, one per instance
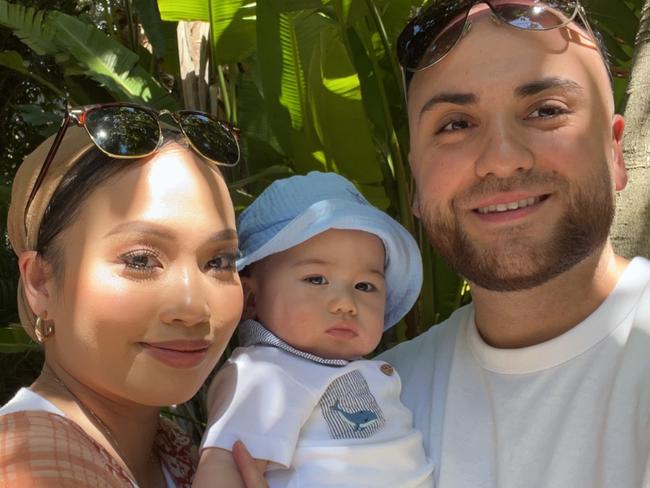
{"x":13,"y":60}
{"x":232,"y":24}
{"x":286,"y":40}
{"x":85,"y":48}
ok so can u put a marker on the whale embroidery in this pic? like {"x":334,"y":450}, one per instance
{"x":360,"y":419}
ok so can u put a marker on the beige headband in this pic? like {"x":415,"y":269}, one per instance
{"x":23,"y":229}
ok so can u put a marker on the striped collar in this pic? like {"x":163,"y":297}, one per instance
{"x":252,"y":333}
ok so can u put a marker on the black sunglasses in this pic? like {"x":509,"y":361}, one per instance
{"x":126,"y":131}
{"x":428,"y":37}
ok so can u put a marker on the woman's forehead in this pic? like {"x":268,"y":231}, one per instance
{"x":173,"y":186}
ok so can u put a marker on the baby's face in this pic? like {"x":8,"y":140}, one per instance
{"x":325,"y":296}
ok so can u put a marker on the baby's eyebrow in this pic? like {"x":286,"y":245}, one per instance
{"x":377,"y":272}
{"x":304,"y":262}
{"x":308,"y":261}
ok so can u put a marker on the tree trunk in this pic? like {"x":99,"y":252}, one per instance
{"x":194,"y":58}
{"x":631,"y":231}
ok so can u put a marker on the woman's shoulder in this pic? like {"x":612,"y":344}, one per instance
{"x":177,"y":452}
{"x":41,"y":448}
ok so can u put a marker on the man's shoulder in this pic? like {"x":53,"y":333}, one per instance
{"x":426,"y":347}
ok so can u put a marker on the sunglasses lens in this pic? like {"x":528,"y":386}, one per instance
{"x":123,"y":130}
{"x":428,"y":37}
{"x":210,"y":138}
{"x":535,"y":16}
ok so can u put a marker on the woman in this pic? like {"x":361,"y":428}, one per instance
{"x":127,"y":245}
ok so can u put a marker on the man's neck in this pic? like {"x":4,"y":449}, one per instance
{"x":529,"y":317}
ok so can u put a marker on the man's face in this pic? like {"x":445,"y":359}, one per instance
{"x":516,"y":154}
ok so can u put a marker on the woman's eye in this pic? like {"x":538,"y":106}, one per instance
{"x":316,"y":280}
{"x":141,"y":260}
{"x":454,"y":125}
{"x":223,"y":262}
{"x":547,"y":111}
{"x":366,"y":287}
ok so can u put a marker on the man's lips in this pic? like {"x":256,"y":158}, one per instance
{"x":178,"y":354}
{"x":508,"y":203}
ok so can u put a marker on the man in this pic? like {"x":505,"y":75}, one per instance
{"x":516,"y":152}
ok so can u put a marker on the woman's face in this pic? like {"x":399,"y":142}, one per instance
{"x":150,"y":294}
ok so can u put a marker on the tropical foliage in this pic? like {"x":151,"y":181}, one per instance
{"x":313,"y":84}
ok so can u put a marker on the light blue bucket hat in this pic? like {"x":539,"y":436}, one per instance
{"x":295,"y":209}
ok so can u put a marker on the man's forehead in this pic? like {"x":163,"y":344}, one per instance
{"x":493,"y":56}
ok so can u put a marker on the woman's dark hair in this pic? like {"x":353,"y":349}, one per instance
{"x":89,"y":172}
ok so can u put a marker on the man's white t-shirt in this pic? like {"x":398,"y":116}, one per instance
{"x":570,"y":412}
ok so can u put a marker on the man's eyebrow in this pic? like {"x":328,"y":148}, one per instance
{"x":554,"y":82}
{"x":144,"y":227}
{"x":449,"y":97}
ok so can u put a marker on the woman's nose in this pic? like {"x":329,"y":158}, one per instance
{"x":186,"y":302}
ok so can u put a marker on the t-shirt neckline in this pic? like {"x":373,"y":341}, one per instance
{"x":600,"y":324}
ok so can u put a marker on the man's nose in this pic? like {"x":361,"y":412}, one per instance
{"x":504,"y":152}
{"x":186,"y":302}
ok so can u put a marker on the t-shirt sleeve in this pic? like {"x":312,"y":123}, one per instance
{"x":255,"y":398}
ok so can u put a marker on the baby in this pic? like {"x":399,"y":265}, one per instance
{"x":324,"y":274}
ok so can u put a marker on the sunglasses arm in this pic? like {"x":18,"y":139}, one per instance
{"x":48,"y":160}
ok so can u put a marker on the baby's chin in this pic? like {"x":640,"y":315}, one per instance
{"x":342,"y":352}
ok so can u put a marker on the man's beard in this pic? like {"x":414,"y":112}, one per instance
{"x":520,"y":262}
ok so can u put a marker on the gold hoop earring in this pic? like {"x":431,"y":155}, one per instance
{"x":43,"y":329}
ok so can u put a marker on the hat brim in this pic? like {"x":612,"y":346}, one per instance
{"x":403,"y":269}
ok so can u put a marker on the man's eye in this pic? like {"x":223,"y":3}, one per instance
{"x":366,"y":287}
{"x":454,"y":125}
{"x":141,"y":260}
{"x":316,"y":280}
{"x":547,"y":111}
{"x":223,"y":262}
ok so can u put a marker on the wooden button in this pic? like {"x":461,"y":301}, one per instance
{"x":387,"y":369}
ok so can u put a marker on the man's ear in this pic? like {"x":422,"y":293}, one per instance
{"x":415,"y":204}
{"x":249,"y":285}
{"x":619,"y":173}
{"x":36,"y":276}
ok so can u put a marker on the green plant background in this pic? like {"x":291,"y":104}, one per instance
{"x":313,"y":85}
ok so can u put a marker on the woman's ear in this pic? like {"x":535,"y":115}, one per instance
{"x":35,"y":274}
{"x":250,"y":286}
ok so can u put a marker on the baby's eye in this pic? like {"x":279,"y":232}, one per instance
{"x":316,"y":280}
{"x":223,"y":262}
{"x":365,"y":287}
{"x":140,"y":260}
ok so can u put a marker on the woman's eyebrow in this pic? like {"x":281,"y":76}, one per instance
{"x":144,"y":227}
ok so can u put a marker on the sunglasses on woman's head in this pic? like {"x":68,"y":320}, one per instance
{"x":433,"y":33}
{"x":125,"y":131}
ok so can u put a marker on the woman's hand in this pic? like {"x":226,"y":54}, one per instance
{"x":252,"y":471}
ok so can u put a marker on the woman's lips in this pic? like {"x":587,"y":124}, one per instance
{"x":178,"y":354}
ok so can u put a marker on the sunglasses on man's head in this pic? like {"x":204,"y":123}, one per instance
{"x":125,"y":130}
{"x":434,"y":32}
